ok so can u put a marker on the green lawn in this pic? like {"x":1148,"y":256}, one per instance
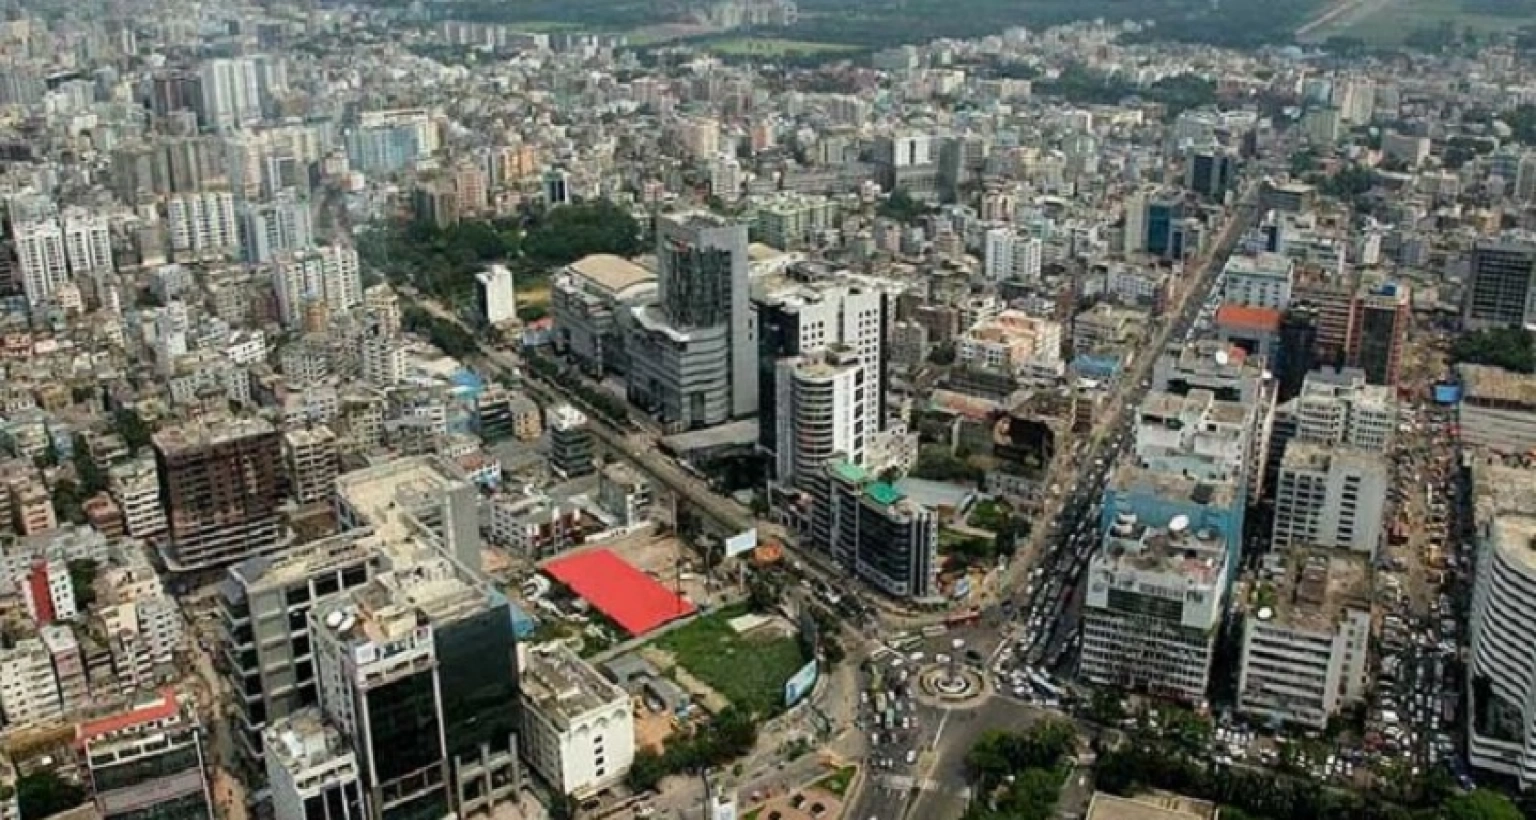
{"x":1395,"y":20}
{"x":749,"y":671}
{"x":838,"y":781}
{"x":545,"y":26}
{"x":773,"y":47}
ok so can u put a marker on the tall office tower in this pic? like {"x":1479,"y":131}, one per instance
{"x":40,"y":259}
{"x":570,"y":442}
{"x":495,"y":296}
{"x":692,"y":357}
{"x":328,"y":276}
{"x":263,"y":608}
{"x":219,"y":485}
{"x":203,"y":224}
{"x":148,"y":762}
{"x":1378,"y":331}
{"x":311,"y":770}
{"x":1210,"y":172}
{"x":172,"y":90}
{"x":822,"y":412}
{"x":1501,"y":728}
{"x":1298,"y":349}
{"x":812,"y":317}
{"x":873,"y":529}
{"x":87,"y":242}
{"x":1154,"y":605}
{"x":270,"y":229}
{"x":1133,"y":237}
{"x":1330,"y":497}
{"x":1499,"y":291}
{"x":231,"y":93}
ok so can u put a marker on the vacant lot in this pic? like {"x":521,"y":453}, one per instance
{"x":774,"y":47}
{"x":749,"y":670}
{"x":1390,"y":22}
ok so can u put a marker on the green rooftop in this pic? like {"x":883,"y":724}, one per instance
{"x":850,"y":472}
{"x":884,"y":494}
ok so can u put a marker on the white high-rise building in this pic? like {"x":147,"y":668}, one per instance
{"x":329,"y":275}
{"x":1337,"y":407}
{"x":998,"y":253}
{"x":823,"y":411}
{"x":496,"y":295}
{"x":1501,"y":658}
{"x":725,"y":178}
{"x":40,"y":258}
{"x":202,"y":223}
{"x":1028,"y":257}
{"x":383,"y":360}
{"x":87,"y":242}
{"x":270,"y":229}
{"x":231,"y":91}
{"x":29,"y":689}
{"x":1330,"y":497}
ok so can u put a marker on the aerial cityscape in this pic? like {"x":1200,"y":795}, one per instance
{"x":767,"y":410}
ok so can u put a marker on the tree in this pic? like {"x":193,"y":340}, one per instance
{"x":1479,"y":804}
{"x":44,"y":794}
{"x":901,"y":207}
{"x":82,"y":581}
{"x":1510,"y":348}
{"x":131,"y":427}
{"x":570,"y":232}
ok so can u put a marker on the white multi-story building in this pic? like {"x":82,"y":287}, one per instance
{"x":624,"y":493}
{"x":135,"y":485}
{"x":40,"y":259}
{"x":1330,"y":497}
{"x":329,"y":275}
{"x":1501,"y":660}
{"x":1306,"y":639}
{"x":577,"y":729}
{"x":29,"y":690}
{"x":496,"y":294}
{"x":143,"y":625}
{"x":383,"y":360}
{"x":246,"y":347}
{"x":1262,"y":280}
{"x":1154,"y":604}
{"x":823,"y":410}
{"x":270,"y":229}
{"x":309,"y":763}
{"x":1337,"y":407}
{"x":202,"y":224}
{"x":48,"y":592}
{"x":1007,"y":255}
{"x":231,"y":89}
{"x":87,"y":241}
{"x":1011,"y":341}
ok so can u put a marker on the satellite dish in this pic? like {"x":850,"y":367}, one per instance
{"x":1221,"y":357}
{"x":1179,"y":524}
{"x":1265,"y":613}
{"x":333,"y":620}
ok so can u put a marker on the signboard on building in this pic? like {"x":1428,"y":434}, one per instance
{"x":740,"y":543}
{"x":800,"y":684}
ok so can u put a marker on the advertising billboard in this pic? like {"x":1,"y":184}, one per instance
{"x":741,"y":542}
{"x":800,"y":684}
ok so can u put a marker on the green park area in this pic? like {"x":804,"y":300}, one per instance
{"x":769,"y":47}
{"x":748,"y":670}
{"x":1422,"y":23}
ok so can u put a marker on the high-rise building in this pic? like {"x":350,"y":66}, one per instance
{"x":1154,"y":604}
{"x":328,"y":276}
{"x":219,"y":486}
{"x":271,"y":229}
{"x":202,"y":224}
{"x":811,"y":318}
{"x":1306,"y":639}
{"x":148,"y":762}
{"x":588,"y":300}
{"x":693,"y":363}
{"x":871,"y":528}
{"x":29,"y":688}
{"x":1297,"y":354}
{"x":577,"y":728}
{"x":135,"y":486}
{"x":49,"y":594}
{"x":40,"y":260}
{"x":1330,"y":497}
{"x":1262,"y":280}
{"x":557,"y":187}
{"x":263,"y":614}
{"x":570,"y":442}
{"x":1499,"y":287}
{"x":1379,"y":319}
{"x":1210,"y":172}
{"x":310,"y":458}
{"x":231,"y":92}
{"x":495,"y":296}
{"x":823,"y":412}
{"x":87,"y":242}
{"x":1337,"y":408}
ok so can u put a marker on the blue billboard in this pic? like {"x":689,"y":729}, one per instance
{"x":1447,"y":393}
{"x":800,"y":684}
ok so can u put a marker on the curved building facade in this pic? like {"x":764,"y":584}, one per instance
{"x":1502,"y":660}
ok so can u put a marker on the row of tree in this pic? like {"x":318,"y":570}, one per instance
{"x":1019,"y":775}
{"x":730,"y":735}
{"x":1510,"y":348}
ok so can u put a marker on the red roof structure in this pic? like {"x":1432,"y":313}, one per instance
{"x":629,"y":597}
{"x":1249,"y":318}
{"x":163,"y":708}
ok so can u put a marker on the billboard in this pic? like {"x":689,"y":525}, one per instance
{"x":1447,"y":393}
{"x":741,"y":542}
{"x":800,"y":684}
{"x":962,"y":589}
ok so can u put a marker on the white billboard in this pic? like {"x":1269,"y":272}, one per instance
{"x":741,"y":542}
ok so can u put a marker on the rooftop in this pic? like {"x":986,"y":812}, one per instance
{"x":304,"y":740}
{"x":1199,"y":555}
{"x":1515,"y":537}
{"x":1153,"y":806}
{"x":1248,"y":318}
{"x":1312,"y":590}
{"x":612,"y":273}
{"x":1484,"y":383}
{"x":1311,"y":455}
{"x":201,"y":433}
{"x":306,"y":560}
{"x":1131,"y":477}
{"x":563,"y":686}
{"x":385,"y":494}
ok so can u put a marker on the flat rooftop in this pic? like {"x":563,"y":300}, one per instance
{"x":1311,"y":455}
{"x":305,"y":560}
{"x":563,"y":686}
{"x":1131,"y":477}
{"x":1153,"y":806}
{"x":1481,"y":383}
{"x":1498,"y":490}
{"x":1515,"y":539}
{"x":611,"y":273}
{"x":385,"y":494}
{"x":1314,"y":589}
{"x":202,"y":433}
{"x":1200,"y":555}
{"x":303,"y":740}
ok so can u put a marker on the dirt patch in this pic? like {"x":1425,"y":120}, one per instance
{"x":712,"y":701}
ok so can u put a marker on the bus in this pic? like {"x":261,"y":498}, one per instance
{"x":966,"y":618}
